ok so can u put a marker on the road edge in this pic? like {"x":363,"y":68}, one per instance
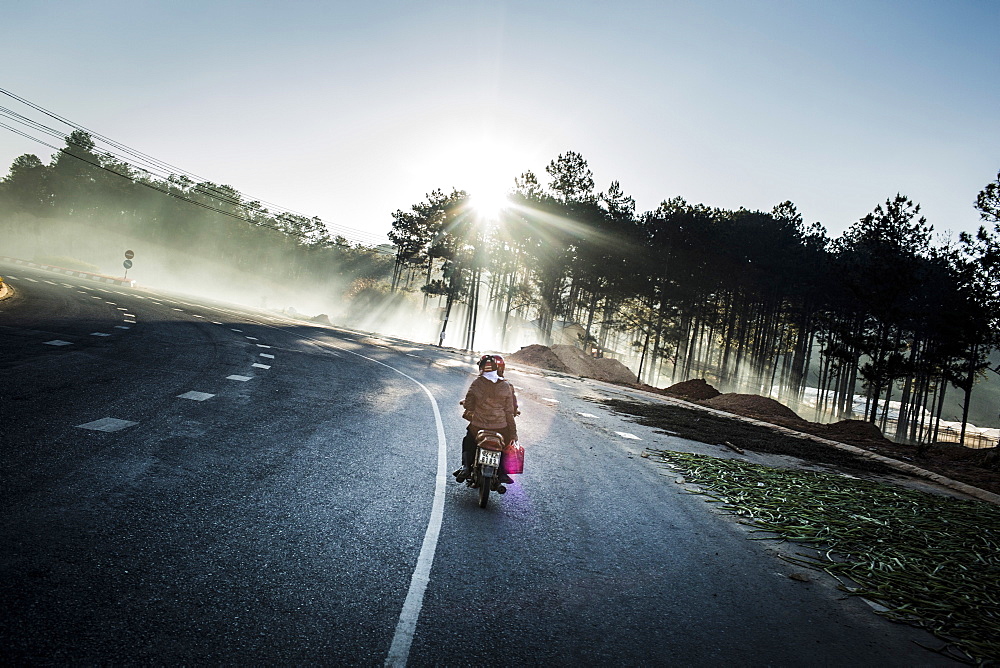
{"x":964,"y":488}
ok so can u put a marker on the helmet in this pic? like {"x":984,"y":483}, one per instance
{"x":487,"y":363}
{"x":500,"y":364}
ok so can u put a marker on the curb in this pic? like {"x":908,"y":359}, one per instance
{"x":964,"y":488}
{"x":69,"y":272}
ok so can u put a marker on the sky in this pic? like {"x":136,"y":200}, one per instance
{"x":352,"y":110}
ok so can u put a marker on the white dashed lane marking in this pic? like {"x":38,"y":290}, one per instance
{"x":215,"y":323}
{"x":112,"y":303}
{"x":122,"y":327}
{"x":199,"y":316}
{"x":555,"y":401}
{"x":410,"y":355}
{"x":179,"y":309}
{"x":195,"y":396}
{"x":253,"y":338}
{"x":128,"y":315}
{"x":236,"y":330}
{"x":261,"y":345}
{"x":57,"y":342}
{"x":107,"y":424}
{"x":270,"y":357}
{"x":129,"y":321}
{"x":261,"y":366}
{"x":587,"y":415}
{"x":30,"y":279}
{"x":122,"y":308}
{"x":625,"y":434}
{"x":99,"y":334}
{"x":239,"y":378}
{"x":50,"y":283}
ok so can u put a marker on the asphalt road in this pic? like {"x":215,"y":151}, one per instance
{"x":278,"y":515}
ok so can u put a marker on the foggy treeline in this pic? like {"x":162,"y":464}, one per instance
{"x":176,"y":223}
{"x":752,"y":301}
{"x":742,"y":298}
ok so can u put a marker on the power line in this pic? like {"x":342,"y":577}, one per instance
{"x":142,"y":162}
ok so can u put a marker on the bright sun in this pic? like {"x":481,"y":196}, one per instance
{"x":488,"y":201}
{"x":482,"y":164}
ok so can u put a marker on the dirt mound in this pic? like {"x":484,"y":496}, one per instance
{"x":540,"y":356}
{"x":574,"y":359}
{"x":751,"y":405}
{"x":852,"y":430}
{"x":612,"y":371}
{"x":696,"y":389}
{"x":568,"y":359}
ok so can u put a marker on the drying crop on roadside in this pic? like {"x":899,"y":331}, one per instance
{"x":933,"y":561}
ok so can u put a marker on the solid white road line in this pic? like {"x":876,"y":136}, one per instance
{"x":399,"y":651}
{"x":107,"y":424}
{"x":195,"y":396}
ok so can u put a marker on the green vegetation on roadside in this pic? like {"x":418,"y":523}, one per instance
{"x":933,"y":561}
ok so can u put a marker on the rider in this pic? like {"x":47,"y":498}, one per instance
{"x":489,"y":404}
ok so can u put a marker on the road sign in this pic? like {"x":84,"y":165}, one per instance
{"x":127,"y":264}
{"x":129,"y":255}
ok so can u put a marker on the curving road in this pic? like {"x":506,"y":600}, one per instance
{"x":191,"y":482}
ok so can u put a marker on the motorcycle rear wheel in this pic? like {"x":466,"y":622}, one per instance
{"x":484,"y":490}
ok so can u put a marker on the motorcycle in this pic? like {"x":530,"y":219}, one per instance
{"x":486,"y":466}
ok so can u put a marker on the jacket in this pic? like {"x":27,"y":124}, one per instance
{"x":492,"y":404}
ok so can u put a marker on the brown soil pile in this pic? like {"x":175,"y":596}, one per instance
{"x":751,"y":405}
{"x":696,"y":389}
{"x":612,"y":371}
{"x":573,"y":359}
{"x":539,"y":356}
{"x":849,"y":431}
{"x":567,"y":359}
